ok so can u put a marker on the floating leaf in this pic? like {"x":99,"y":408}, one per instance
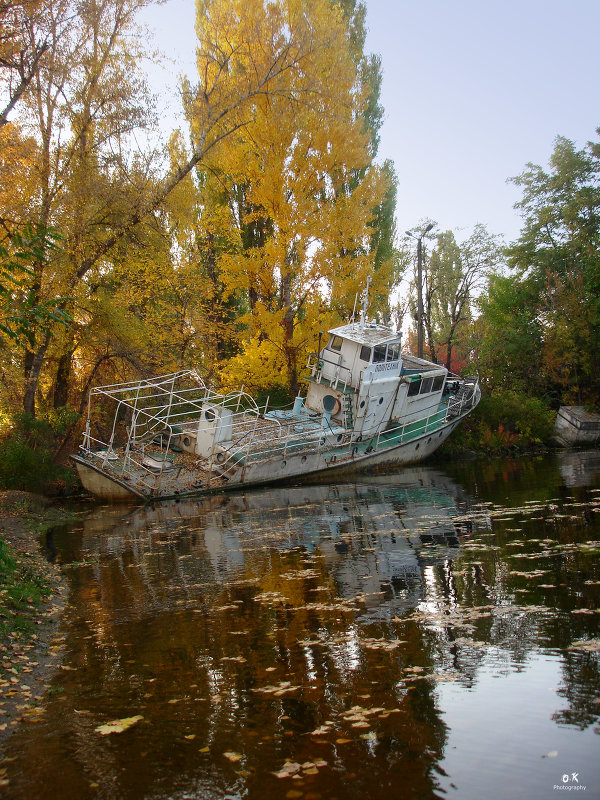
{"x":233,"y":756}
{"x":118,"y":725}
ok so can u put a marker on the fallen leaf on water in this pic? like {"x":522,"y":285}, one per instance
{"x":118,"y":725}
{"x":589,"y":645}
{"x":233,"y":756}
{"x":289,"y":768}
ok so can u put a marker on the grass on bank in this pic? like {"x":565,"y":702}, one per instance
{"x":22,"y":590}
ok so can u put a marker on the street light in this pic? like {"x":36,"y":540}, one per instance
{"x":420,"y":286}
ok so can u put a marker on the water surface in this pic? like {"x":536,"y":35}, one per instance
{"x":431,"y":633}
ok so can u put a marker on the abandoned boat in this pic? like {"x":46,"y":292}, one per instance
{"x":367,"y":405}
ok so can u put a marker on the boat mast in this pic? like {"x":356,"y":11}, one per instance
{"x":365,"y":304}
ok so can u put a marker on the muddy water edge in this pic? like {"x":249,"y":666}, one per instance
{"x":429,"y":633}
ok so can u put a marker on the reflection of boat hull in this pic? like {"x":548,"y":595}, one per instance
{"x":389,"y":450}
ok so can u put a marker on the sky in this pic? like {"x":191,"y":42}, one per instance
{"x":472,"y":91}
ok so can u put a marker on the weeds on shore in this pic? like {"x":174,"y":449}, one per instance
{"x":22,"y":590}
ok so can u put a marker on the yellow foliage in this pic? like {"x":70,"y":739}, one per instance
{"x":297,"y":184}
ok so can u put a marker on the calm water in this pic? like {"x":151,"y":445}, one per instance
{"x":432,"y":633}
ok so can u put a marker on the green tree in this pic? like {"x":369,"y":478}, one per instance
{"x":21,"y":317}
{"x":453,"y":277}
{"x":557,"y":261}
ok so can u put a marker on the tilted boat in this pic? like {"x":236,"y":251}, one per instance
{"x":367,"y":405}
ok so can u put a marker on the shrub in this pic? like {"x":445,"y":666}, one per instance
{"x":504,"y":421}
{"x":27,"y":449}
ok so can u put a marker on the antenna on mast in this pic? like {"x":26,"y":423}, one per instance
{"x":354,"y":309}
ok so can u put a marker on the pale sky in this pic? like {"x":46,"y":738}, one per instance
{"x":472,"y":91}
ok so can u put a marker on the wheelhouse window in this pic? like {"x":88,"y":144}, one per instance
{"x":393,"y":352}
{"x":386,"y":352}
{"x":365,"y":353}
{"x":413,"y":388}
{"x":438,"y":382}
{"x":426,"y":385}
{"x":336,"y":343}
{"x":379,"y":353}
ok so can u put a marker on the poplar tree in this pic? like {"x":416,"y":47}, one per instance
{"x":301,"y":192}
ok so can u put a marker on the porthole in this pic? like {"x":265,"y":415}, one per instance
{"x":428,"y":440}
{"x":380,"y":400}
{"x":187,"y":441}
{"x":209,"y":414}
{"x":339,"y":437}
{"x":303,"y":459}
{"x":362,"y":403}
{"x":283,"y":464}
{"x":417,"y":445}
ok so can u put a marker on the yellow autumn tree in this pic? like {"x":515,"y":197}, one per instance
{"x":298,"y":184}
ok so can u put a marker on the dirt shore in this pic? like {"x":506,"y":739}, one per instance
{"x":29,"y":659}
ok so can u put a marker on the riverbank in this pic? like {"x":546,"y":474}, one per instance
{"x":31,"y":603}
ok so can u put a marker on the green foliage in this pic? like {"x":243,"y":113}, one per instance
{"x":504,"y":421}
{"x":278,"y":396}
{"x":27,"y":452}
{"x":557,"y":262}
{"x":21,"y":588}
{"x":22,"y":314}
{"x":508,"y":338}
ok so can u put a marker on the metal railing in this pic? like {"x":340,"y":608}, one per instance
{"x":158,"y":410}
{"x":316,"y":366}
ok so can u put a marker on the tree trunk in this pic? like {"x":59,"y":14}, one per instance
{"x":62,"y":380}
{"x":289,"y":350}
{"x":33,"y":366}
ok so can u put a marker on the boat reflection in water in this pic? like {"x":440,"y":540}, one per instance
{"x":374,"y":539}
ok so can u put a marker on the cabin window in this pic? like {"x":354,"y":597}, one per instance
{"x":365,"y":353}
{"x":437,"y":383}
{"x":393,"y":352}
{"x":379,"y":353}
{"x":426,"y":385}
{"x":335,"y":343}
{"x":413,"y":388}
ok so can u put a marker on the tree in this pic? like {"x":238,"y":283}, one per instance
{"x":453,"y":277}
{"x":558,"y":256}
{"x":86,"y":99}
{"x":507,"y":338}
{"x":20,"y":317}
{"x":21,"y":50}
{"x":301,"y":193}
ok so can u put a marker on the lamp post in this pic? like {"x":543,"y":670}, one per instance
{"x":420,"y":286}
